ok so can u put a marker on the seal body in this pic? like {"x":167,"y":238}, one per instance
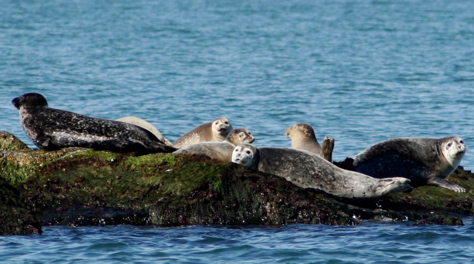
{"x":145,"y":125}
{"x":307,"y":170}
{"x":215,"y":131}
{"x":425,"y":161}
{"x":52,"y":129}
{"x":220,"y":150}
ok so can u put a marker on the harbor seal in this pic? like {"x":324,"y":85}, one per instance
{"x":307,"y":170}
{"x":52,"y":129}
{"x":303,"y":137}
{"x":220,"y":150}
{"x":425,"y":161}
{"x":145,"y":125}
{"x":215,"y":131}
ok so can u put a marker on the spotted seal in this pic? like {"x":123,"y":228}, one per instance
{"x":214,"y":131}
{"x":307,"y":170}
{"x":52,"y":129}
{"x":425,"y":161}
{"x":220,"y":150}
{"x":303,"y":137}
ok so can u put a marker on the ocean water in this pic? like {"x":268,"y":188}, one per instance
{"x":359,"y":71}
{"x":368,"y":243}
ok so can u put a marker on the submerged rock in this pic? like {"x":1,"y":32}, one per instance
{"x":77,"y":186}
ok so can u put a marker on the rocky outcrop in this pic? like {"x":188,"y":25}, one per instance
{"x":85,"y":187}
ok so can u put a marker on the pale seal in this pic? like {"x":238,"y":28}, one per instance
{"x":303,"y":137}
{"x":146,"y":125}
{"x":425,"y":161}
{"x":307,"y":170}
{"x":52,"y":129}
{"x":215,"y":131}
{"x":220,"y":150}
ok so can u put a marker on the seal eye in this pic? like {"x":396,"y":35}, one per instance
{"x":248,"y":152}
{"x":449,"y":145}
{"x":462,"y":142}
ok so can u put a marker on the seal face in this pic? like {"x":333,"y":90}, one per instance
{"x":220,"y":150}
{"x":239,"y":136}
{"x":307,"y":170}
{"x":52,"y":129}
{"x":425,"y":161}
{"x":246,"y":156}
{"x":215,"y":131}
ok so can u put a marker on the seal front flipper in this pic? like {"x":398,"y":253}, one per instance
{"x":327,"y":149}
{"x":45,"y":142}
{"x":437,"y":181}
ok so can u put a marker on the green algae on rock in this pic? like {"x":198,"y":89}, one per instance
{"x":9,"y":142}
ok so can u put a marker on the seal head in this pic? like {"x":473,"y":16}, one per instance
{"x":239,"y":136}
{"x":246,"y":155}
{"x":303,"y":137}
{"x":221,"y":127}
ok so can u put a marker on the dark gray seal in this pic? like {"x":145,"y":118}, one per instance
{"x":307,"y":170}
{"x":52,"y":129}
{"x":220,"y":150}
{"x":215,"y":131}
{"x":425,"y":161}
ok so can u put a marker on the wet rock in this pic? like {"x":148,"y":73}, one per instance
{"x":10,"y":142}
{"x":15,"y":218}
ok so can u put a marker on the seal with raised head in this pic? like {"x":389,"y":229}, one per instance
{"x":146,"y":125}
{"x":303,"y":137}
{"x":220,"y":150}
{"x":425,"y":161}
{"x":52,"y":129}
{"x":307,"y":170}
{"x":215,"y":131}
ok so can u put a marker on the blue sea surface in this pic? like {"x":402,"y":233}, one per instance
{"x":368,"y":243}
{"x":359,"y":71}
